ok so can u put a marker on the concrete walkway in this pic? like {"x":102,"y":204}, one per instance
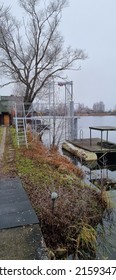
{"x":15,"y":207}
{"x":20,"y":233}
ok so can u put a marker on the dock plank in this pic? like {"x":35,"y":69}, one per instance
{"x":94,"y":146}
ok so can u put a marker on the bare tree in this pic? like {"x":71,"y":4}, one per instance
{"x":3,"y":12}
{"x":32,"y":53}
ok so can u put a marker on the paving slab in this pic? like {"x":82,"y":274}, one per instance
{"x":20,"y":234}
{"x":15,"y":206}
{"x":22,"y":243}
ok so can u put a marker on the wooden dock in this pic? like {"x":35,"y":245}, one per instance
{"x":106,"y":154}
{"x":91,"y":150}
{"x":95,"y":145}
{"x":92,"y":154}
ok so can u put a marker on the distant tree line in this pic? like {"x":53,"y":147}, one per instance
{"x":61,"y":109}
{"x":98,"y":107}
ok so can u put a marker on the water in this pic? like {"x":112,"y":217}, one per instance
{"x":106,"y":241}
{"x":106,"y":248}
{"x":86,"y":121}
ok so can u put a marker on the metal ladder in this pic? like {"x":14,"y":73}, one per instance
{"x":20,"y":123}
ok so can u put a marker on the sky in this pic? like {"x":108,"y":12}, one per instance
{"x":91,"y":26}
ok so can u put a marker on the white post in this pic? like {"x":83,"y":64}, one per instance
{"x":49,"y":115}
{"x":72,"y":120}
{"x":54,"y":118}
{"x":75,"y":128}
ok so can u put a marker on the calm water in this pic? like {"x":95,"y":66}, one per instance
{"x":85,"y":122}
{"x":106,"y":248}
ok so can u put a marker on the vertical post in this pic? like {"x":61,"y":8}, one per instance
{"x":16,"y":123}
{"x":90,"y":138}
{"x":54,"y":119}
{"x":65,"y":112}
{"x":107,"y":136}
{"x":25,"y":125}
{"x":72,"y":112}
{"x":72,"y":120}
{"x":75,"y":128}
{"x":101,"y":139}
{"x":49,"y":116}
{"x":53,"y":202}
{"x":71,"y":90}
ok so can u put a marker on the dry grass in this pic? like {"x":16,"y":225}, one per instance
{"x":43,"y":171}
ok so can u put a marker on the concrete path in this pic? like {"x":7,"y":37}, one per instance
{"x":20,"y":233}
{"x":15,"y":207}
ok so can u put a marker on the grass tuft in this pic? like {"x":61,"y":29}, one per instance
{"x":78,"y":208}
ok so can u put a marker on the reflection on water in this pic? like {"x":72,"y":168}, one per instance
{"x":106,"y":241}
{"x":106,"y":230}
{"x":106,"y":248}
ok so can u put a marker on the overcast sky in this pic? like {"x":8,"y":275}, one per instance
{"x":91,"y":25}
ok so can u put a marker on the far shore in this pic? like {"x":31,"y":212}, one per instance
{"x":98,"y":114}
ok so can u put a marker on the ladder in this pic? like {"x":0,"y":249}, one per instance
{"x":20,"y":124}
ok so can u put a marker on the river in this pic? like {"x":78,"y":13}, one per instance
{"x":106,"y":230}
{"x":106,"y":241}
